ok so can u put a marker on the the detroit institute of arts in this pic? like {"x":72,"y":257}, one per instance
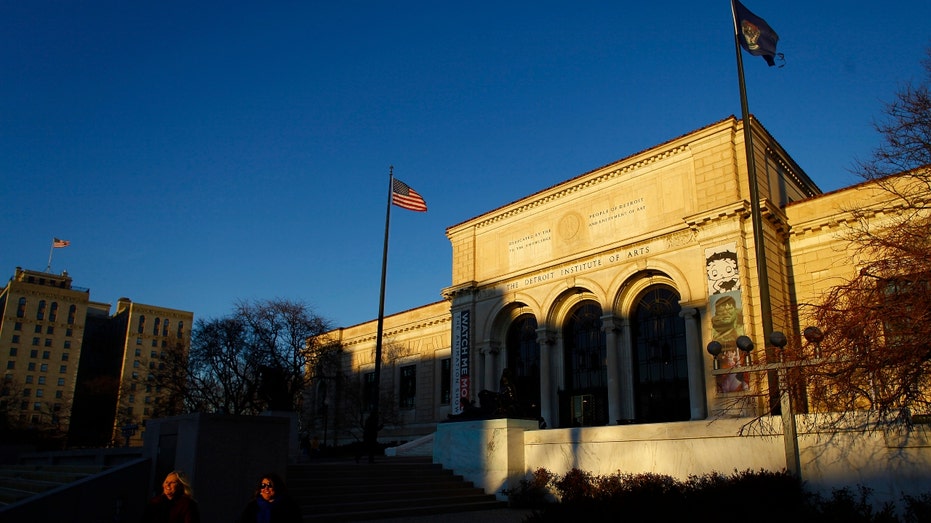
{"x":599,"y":295}
{"x":596,"y":298}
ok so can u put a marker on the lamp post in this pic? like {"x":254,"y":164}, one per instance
{"x":779,"y":340}
{"x":789,"y":433}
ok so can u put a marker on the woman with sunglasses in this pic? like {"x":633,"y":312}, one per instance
{"x":271,"y":503}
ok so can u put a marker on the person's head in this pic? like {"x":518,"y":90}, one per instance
{"x":271,"y":487}
{"x":176,"y":484}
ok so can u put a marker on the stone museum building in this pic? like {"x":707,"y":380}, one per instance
{"x":594,"y":300}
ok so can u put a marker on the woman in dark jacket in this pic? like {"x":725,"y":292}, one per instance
{"x":271,"y":503}
{"x":175,"y":504}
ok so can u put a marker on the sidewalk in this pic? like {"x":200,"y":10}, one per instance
{"x":503,"y":515}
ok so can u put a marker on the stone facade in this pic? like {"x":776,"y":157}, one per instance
{"x":598,"y":296}
{"x":53,"y":339}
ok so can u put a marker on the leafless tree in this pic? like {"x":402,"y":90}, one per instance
{"x":875,"y":356}
{"x":259,"y":358}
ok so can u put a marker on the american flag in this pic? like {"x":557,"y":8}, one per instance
{"x":60,"y":243}
{"x":405,"y":197}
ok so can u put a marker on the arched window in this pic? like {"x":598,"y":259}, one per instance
{"x":21,"y":309}
{"x":165,"y":327}
{"x":524,"y":363}
{"x":53,"y":311}
{"x":180,"y":328}
{"x":72,"y":310}
{"x":40,"y":312}
{"x":661,"y":384}
{"x":584,"y":402}
{"x":157,"y":323}
{"x":141,"y":324}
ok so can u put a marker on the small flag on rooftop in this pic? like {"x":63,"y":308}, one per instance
{"x":59,"y":243}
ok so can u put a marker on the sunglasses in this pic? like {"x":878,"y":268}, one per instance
{"x":266,"y":485}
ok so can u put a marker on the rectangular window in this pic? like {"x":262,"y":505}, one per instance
{"x":41,"y":380}
{"x":29,"y":378}
{"x":16,"y":338}
{"x":61,"y":382}
{"x":31,"y":367}
{"x":17,"y":326}
{"x":67,"y":344}
{"x":38,"y":329}
{"x":369,"y":396}
{"x":11,"y":364}
{"x":58,"y":394}
{"x":408,"y":387}
{"x":35,"y":342}
{"x":445,"y":381}
{"x":50,"y":330}
{"x":63,"y":369}
{"x":43,"y":367}
{"x":46,"y":354}
{"x":13,"y":351}
{"x":33,"y":353}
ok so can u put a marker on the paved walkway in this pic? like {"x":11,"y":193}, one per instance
{"x":501,"y":515}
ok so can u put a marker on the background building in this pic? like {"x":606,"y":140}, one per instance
{"x":71,"y":369}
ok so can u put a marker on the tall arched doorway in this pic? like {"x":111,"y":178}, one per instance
{"x":584,"y":401}
{"x":524,"y":363}
{"x":661,"y":384}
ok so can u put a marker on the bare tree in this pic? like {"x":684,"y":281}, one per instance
{"x":875,"y":356}
{"x":259,"y":358}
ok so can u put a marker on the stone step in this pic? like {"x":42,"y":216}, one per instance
{"x":391,"y":487}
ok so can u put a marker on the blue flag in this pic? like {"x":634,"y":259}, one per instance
{"x":754,"y":34}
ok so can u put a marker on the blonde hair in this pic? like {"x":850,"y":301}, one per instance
{"x":183,"y":480}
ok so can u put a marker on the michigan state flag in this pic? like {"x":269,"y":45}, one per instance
{"x":754,"y":34}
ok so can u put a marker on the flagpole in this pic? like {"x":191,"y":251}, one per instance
{"x":48,"y":268}
{"x":372,"y":423}
{"x":756,"y":213}
{"x":790,"y":435}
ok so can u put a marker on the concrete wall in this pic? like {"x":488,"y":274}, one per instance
{"x":222,"y":455}
{"x":892,"y":464}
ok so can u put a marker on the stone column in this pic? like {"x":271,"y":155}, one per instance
{"x":694,"y":361}
{"x":490,"y":350}
{"x":626,"y":371}
{"x":609,"y":325}
{"x":548,"y":403}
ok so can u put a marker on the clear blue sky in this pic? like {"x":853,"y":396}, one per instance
{"x":198,"y":153}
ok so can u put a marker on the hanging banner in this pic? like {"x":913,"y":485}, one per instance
{"x":462,"y":342}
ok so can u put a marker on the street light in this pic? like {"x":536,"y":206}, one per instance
{"x":789,"y":435}
{"x":779,"y":340}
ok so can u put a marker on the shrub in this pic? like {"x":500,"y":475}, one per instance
{"x":761,"y":496}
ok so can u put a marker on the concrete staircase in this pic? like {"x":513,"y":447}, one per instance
{"x":19,"y":481}
{"x":392,"y":487}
